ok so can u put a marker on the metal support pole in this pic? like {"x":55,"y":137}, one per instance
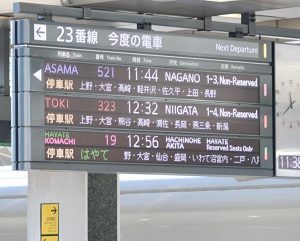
{"x":249,"y":19}
{"x":237,"y":34}
{"x":144,"y":26}
{"x":46,"y":16}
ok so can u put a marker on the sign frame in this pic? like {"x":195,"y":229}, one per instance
{"x":35,"y":38}
{"x":62,"y":34}
{"x":49,"y":221}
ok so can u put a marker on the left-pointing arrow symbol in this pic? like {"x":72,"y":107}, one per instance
{"x":39,"y":32}
{"x":38,"y":75}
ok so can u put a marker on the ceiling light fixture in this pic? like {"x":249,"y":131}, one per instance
{"x":221,"y":1}
{"x":232,"y":15}
{"x":144,"y":219}
{"x":163,"y":1}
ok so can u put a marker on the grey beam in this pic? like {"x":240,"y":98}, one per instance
{"x":80,"y":13}
{"x":228,"y":27}
{"x":278,"y":32}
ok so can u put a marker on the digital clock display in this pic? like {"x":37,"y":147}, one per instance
{"x":151,"y":148}
{"x":150,"y":82}
{"x":152,"y":115}
{"x":291,"y":162}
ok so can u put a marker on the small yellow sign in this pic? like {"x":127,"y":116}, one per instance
{"x":49,"y":219}
{"x":49,"y":238}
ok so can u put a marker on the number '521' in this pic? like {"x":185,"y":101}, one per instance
{"x":106,"y":72}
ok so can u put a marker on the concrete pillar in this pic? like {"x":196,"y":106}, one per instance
{"x":103,"y":207}
{"x":87,"y":206}
{"x":69,"y":190}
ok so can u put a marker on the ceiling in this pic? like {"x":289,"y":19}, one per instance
{"x":275,"y":13}
{"x":271,"y":13}
{"x":193,"y":8}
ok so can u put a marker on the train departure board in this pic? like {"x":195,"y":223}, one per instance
{"x":153,"y":82}
{"x":140,"y":114}
{"x":145,"y":148}
{"x":134,"y":101}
